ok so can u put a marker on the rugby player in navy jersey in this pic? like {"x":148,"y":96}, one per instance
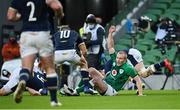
{"x":66,"y":43}
{"x":35,"y":86}
{"x":35,"y":39}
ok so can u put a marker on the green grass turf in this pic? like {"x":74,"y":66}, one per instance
{"x":167,"y":99}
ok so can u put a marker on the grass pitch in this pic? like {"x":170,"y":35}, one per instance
{"x":167,"y":99}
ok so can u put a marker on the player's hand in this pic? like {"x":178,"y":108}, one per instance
{"x":83,"y":63}
{"x":33,"y":92}
{"x":137,"y":92}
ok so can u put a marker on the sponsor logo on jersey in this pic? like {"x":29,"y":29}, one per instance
{"x":41,"y":78}
{"x":114,"y":72}
{"x":114,"y":64}
{"x":121,"y":71}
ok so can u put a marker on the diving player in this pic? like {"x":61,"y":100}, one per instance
{"x":135,"y":59}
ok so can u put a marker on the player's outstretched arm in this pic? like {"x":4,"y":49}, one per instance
{"x":33,"y":92}
{"x":110,"y":40}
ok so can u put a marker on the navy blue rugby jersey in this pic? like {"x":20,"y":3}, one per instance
{"x":67,"y":39}
{"x":34,"y":14}
{"x":37,"y":81}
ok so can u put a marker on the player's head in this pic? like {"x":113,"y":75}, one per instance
{"x":121,"y":58}
{"x":91,"y":21}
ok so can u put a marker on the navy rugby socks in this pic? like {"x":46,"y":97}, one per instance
{"x":85,"y":77}
{"x":24,"y":74}
{"x":52,"y":86}
{"x":159,"y":65}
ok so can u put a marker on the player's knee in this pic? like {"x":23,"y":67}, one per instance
{"x":95,"y":80}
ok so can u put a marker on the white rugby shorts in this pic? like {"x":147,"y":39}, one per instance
{"x":66,"y":55}
{"x":36,"y":42}
{"x":136,"y":55}
{"x":110,"y":91}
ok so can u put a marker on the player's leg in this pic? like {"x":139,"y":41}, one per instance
{"x":51,"y":79}
{"x":45,"y":46}
{"x":165,"y":63}
{"x":136,"y":60}
{"x":25,"y":75}
{"x":145,"y":72}
{"x":84,"y":72}
{"x":28,"y":55}
{"x":98,"y":82}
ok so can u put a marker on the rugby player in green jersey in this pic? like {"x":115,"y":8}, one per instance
{"x":119,"y":74}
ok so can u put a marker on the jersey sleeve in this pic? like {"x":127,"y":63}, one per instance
{"x":13,"y":81}
{"x":132,"y":72}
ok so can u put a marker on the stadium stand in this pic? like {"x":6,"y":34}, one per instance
{"x":145,"y":42}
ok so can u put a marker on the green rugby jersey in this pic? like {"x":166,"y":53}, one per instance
{"x":119,"y":74}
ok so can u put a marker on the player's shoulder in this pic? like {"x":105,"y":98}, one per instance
{"x":127,"y":66}
{"x":73,"y":31}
